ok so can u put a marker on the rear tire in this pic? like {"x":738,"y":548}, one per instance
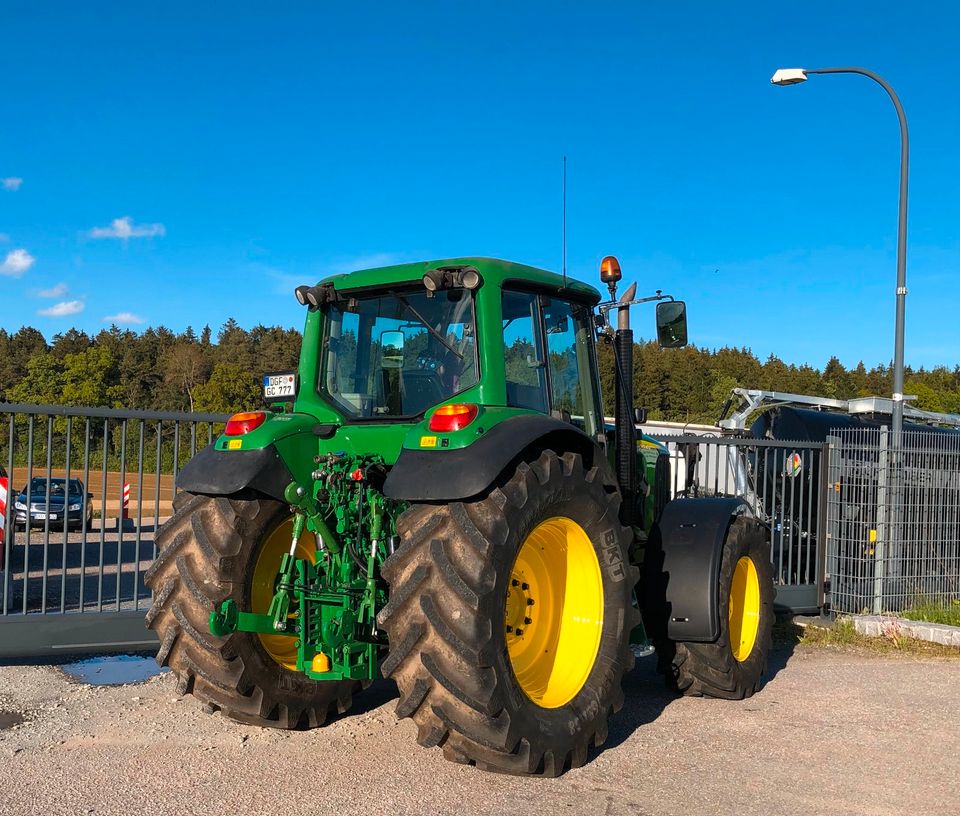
{"x":730,"y":668}
{"x":452,"y":599}
{"x":206,"y":553}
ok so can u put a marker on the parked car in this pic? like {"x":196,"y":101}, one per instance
{"x":66,"y":504}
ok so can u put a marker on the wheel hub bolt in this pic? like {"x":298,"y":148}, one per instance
{"x":509,"y":629}
{"x":528,"y":621}
{"x":524,"y":587}
{"x":514,"y":582}
{"x":519,"y":632}
{"x":529,"y":601}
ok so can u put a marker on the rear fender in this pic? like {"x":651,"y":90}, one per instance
{"x":457,"y":474}
{"x":682,"y":567}
{"x":222,"y":473}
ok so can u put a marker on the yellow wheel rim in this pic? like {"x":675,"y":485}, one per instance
{"x":554,"y":612}
{"x":744,"y":609}
{"x":281,"y":648}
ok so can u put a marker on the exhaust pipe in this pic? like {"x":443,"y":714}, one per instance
{"x":626,"y":431}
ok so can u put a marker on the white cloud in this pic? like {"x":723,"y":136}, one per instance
{"x":11,"y":183}
{"x":125,"y":228}
{"x":54,"y":291}
{"x":123,"y":318}
{"x":67,"y":307}
{"x":16,"y":263}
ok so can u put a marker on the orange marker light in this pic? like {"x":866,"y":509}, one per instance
{"x":610,"y":270}
{"x":245,"y":422}
{"x":453,"y":417}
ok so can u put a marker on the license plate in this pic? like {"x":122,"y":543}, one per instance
{"x":280,"y":386}
{"x":51,"y":516}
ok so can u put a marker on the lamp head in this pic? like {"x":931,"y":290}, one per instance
{"x":610,"y":274}
{"x":789,"y":76}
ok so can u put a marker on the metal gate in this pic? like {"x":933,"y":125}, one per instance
{"x":88,"y":488}
{"x":71,"y":578}
{"x":785,"y":485}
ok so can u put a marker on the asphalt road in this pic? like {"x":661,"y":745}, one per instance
{"x":64,"y":567}
{"x":833,"y":732}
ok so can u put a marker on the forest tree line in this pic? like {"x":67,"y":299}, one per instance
{"x":158,"y":369}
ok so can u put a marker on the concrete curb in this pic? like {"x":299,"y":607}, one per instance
{"x":888,"y":626}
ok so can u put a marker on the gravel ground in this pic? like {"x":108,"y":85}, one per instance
{"x":833,"y":732}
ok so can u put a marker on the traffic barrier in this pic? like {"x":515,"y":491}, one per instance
{"x":124,"y":520}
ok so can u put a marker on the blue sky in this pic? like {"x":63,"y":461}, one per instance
{"x":232,"y":152}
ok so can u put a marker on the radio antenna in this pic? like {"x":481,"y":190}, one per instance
{"x":564,"y":222}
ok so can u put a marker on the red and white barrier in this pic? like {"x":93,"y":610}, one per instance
{"x":3,"y":507}
{"x":4,"y":484}
{"x":124,"y":522}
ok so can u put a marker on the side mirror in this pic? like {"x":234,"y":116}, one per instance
{"x":672,"y":323}
{"x":391,"y":349}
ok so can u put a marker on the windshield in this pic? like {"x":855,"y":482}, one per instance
{"x":38,"y":486}
{"x":399,"y":353}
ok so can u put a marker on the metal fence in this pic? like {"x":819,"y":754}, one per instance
{"x":784,"y":484}
{"x":90,"y":487}
{"x":893,"y":521}
{"x":77,"y":582}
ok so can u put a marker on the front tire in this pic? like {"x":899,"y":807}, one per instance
{"x":461,"y":584}
{"x":731,"y":667}
{"x":211,"y":549}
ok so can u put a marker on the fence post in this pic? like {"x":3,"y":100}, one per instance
{"x":883,"y":520}
{"x":829,"y":548}
{"x":828,"y":521}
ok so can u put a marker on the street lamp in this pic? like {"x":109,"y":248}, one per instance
{"x":794,"y":76}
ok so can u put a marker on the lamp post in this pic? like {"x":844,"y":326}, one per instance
{"x":793,"y":76}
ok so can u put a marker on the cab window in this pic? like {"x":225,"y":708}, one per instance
{"x":549,"y":357}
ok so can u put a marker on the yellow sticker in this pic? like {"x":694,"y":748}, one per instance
{"x":428,"y":441}
{"x":234,"y":444}
{"x":873,"y":536}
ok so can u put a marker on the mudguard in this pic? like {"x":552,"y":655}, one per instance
{"x":452,"y":475}
{"x":683,"y":565}
{"x":222,"y":473}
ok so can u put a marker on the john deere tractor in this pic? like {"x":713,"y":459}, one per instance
{"x":434,"y":496}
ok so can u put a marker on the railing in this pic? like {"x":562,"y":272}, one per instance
{"x":63,"y":588}
{"x":68,"y":573}
{"x":783,"y":482}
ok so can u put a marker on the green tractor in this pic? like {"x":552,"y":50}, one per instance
{"x":434,"y":496}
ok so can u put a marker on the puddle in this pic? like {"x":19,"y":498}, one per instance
{"x":8,"y":719}
{"x":113,"y":670}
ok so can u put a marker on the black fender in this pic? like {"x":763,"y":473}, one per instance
{"x":222,"y":473}
{"x":682,"y":567}
{"x":452,"y":475}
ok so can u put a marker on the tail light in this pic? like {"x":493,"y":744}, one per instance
{"x":239,"y":424}
{"x":453,"y":417}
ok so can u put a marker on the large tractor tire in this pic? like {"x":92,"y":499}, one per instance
{"x":211,"y":549}
{"x":509,"y":619}
{"x":732,"y":666}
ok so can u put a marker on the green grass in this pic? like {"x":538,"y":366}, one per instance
{"x":933,"y":612}
{"x":842,"y":634}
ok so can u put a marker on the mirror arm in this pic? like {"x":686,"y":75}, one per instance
{"x":613,"y":304}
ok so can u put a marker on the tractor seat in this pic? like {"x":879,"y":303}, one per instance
{"x":420,"y":390}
